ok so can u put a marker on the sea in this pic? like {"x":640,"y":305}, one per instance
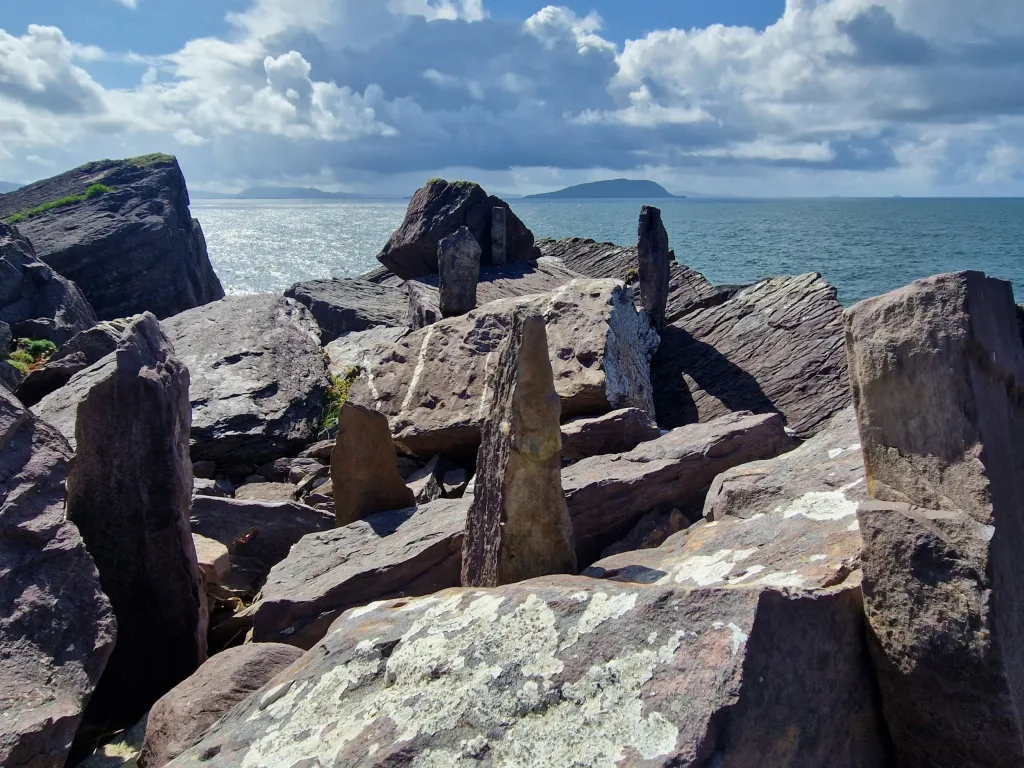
{"x":862,"y":246}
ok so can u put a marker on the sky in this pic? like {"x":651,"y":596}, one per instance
{"x":743,"y":97}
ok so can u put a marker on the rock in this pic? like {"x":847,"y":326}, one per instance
{"x":275,"y":471}
{"x":650,"y":532}
{"x":364,"y":464}
{"x":54,"y":642}
{"x":35,"y":301}
{"x":10,"y":377}
{"x":424,"y":304}
{"x":653,"y":259}
{"x":206,"y":487}
{"x":519,"y":526}
{"x":937,"y":370}
{"x":343,"y":306}
{"x":121,"y":749}
{"x":212,"y":556}
{"x":458,"y":259}
{"x":313,"y":481}
{"x":128,"y":492}
{"x":688,"y":290}
{"x":570,"y":671}
{"x":266,"y":492}
{"x":616,"y":432}
{"x":320,"y":450}
{"x":431,"y":383}
{"x":258,"y":377}
{"x":439,"y":209}
{"x":257,"y":534}
{"x":777,"y":346}
{"x":826,"y":470}
{"x":348,"y":351}
{"x":607,"y":495}
{"x":84,"y":349}
{"x":499,"y":235}
{"x":406,"y":552}
{"x":455,"y":482}
{"x":204,"y":469}
{"x":145,"y":214}
{"x":424,"y":482}
{"x":300,"y":469}
{"x":181,"y":718}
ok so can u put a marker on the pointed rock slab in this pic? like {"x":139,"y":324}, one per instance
{"x":431,"y":384}
{"x":937,"y":370}
{"x":408,"y":552}
{"x":182,"y":716}
{"x":364,"y":467}
{"x":458,"y":259}
{"x":607,"y":495}
{"x":519,"y":525}
{"x":654,"y":257}
{"x":129,"y":490}
{"x":56,"y":626}
{"x":499,"y":235}
{"x":572,"y":671}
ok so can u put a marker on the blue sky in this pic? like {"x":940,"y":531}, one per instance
{"x":764,"y":97}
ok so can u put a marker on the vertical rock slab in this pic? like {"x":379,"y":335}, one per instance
{"x":56,"y":626}
{"x":519,"y":525}
{"x":364,"y":467}
{"x":458,"y":257}
{"x":499,"y":235}
{"x":129,"y":490}
{"x":937,"y":370}
{"x":653,"y":257}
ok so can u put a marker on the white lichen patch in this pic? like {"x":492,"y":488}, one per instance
{"x":783,"y":579}
{"x":739,"y":637}
{"x":705,"y":570}
{"x":835,"y":453}
{"x":821,"y":506}
{"x":749,"y":573}
{"x":853,"y":527}
{"x":818,"y":558}
{"x":600,"y":609}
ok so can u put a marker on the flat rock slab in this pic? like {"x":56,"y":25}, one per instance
{"x":342,"y":306}
{"x":350,"y":350}
{"x":54,"y":642}
{"x":409,"y":552}
{"x":258,"y":377}
{"x":607,"y":495}
{"x":776,"y":346}
{"x":257,"y":534}
{"x":616,"y":432}
{"x":265,"y":492}
{"x":432,"y":383}
{"x":146,"y":215}
{"x":572,"y":671}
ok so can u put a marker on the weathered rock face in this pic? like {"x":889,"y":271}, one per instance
{"x":128,"y":492}
{"x":776,"y":346}
{"x":145,"y":215}
{"x":607,"y":495}
{"x":365,"y":466}
{"x":431,"y":383}
{"x":342,"y":306}
{"x":266,"y":492}
{"x":54,"y":642}
{"x":458,"y":260}
{"x":439,"y":209}
{"x":826,"y":471}
{"x":407,"y":552}
{"x":35,"y":301}
{"x":571,"y":671}
{"x":616,"y":432}
{"x":653,"y":258}
{"x":181,"y":718}
{"x":688,"y":290}
{"x":258,"y":377}
{"x":83,"y":350}
{"x":257,"y":534}
{"x":499,"y":235}
{"x":519,"y":525}
{"x":937,"y":370}
{"x":350,"y":350}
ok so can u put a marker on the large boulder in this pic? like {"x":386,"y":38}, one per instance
{"x":519,"y":525}
{"x":937,"y":370}
{"x":258,"y":377}
{"x":438,"y":210}
{"x":458,"y":261}
{"x":776,"y":346}
{"x":342,"y":306}
{"x":257,"y":534}
{"x":56,"y":626}
{"x":432,"y":383}
{"x":129,"y":489}
{"x":35,"y":301}
{"x":607,"y":495}
{"x":183,"y":715}
{"x":414,"y":551}
{"x":572,"y":671}
{"x":84,"y":349}
{"x":615,"y":432}
{"x":131,"y":249}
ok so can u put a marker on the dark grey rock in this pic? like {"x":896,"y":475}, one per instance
{"x":653,"y":257}
{"x":132,"y":250}
{"x":615,"y":432}
{"x":499,"y":235}
{"x":349,"y":351}
{"x":204,"y":469}
{"x":83,"y":350}
{"x":342,"y":306}
{"x":458,"y":259}
{"x":202,"y":486}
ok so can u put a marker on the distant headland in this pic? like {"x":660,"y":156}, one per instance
{"x":278,"y":193}
{"x":610,"y":189}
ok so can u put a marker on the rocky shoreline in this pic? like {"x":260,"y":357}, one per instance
{"x":499,"y":502}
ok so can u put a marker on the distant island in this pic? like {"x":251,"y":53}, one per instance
{"x":610,"y":189}
{"x":7,"y":186}
{"x":278,"y":193}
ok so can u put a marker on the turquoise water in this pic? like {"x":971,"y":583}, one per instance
{"x":863,"y":247}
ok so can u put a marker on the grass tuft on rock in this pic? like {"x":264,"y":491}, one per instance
{"x":94,"y":190}
{"x":337,"y":395}
{"x":30,"y":354}
{"x":153,"y":158}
